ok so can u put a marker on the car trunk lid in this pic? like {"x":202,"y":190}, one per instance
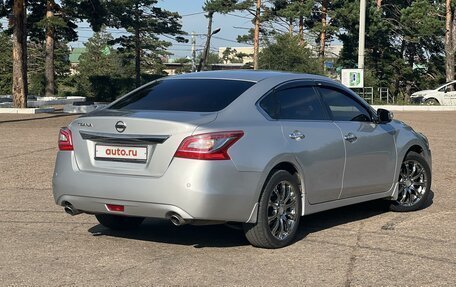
{"x":148,"y":138}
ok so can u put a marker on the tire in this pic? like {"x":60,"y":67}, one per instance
{"x":119,"y":222}
{"x":280,"y":202}
{"x":414,"y":184}
{"x":432,"y":102}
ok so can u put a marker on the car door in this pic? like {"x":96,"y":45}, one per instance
{"x":311,"y":136}
{"x":370,"y":147}
{"x":449,"y":95}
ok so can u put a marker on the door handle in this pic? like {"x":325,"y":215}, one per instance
{"x":296,"y":135}
{"x":350,"y":137}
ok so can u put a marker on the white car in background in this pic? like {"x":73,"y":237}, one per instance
{"x":444,"y":95}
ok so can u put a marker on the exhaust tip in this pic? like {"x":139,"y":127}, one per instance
{"x":176,"y":219}
{"x":71,"y":210}
{"x":68,"y":210}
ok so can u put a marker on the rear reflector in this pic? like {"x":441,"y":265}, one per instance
{"x":65,"y":139}
{"x":115,"y":207}
{"x":210,"y":146}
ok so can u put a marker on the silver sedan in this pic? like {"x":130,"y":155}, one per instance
{"x":253,"y":147}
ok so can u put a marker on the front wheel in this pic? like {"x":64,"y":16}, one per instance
{"x":119,"y":222}
{"x":432,"y":102}
{"x":414,"y":184}
{"x":279,"y":212}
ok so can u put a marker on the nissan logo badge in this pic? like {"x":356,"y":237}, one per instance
{"x":120,"y":126}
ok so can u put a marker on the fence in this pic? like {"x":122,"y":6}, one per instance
{"x":383,"y":95}
{"x":366,"y":93}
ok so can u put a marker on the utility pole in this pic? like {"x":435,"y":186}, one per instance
{"x":203,"y":60}
{"x":256,"y":38}
{"x":193,"y":52}
{"x":362,"y":32}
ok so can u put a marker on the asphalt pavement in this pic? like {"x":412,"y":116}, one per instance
{"x":360,"y":245}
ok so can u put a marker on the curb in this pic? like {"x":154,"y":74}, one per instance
{"x":415,"y":108}
{"x":26,"y":110}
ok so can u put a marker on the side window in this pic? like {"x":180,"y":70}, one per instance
{"x":297,"y":103}
{"x":343,"y":107}
{"x":450,"y":88}
{"x":270,"y":105}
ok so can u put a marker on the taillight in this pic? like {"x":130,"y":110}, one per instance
{"x":210,"y":146}
{"x":65,"y":139}
{"x":115,"y":207}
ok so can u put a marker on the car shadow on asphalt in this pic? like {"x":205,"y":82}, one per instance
{"x":336,"y":217}
{"x":162,"y":231}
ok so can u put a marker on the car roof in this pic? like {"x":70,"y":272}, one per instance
{"x":247,"y":75}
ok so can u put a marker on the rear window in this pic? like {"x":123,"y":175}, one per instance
{"x":191,"y":95}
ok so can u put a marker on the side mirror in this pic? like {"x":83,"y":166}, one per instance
{"x":384,"y":116}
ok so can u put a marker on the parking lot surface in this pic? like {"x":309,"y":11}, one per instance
{"x":360,"y":245}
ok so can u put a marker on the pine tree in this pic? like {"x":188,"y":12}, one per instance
{"x":54,"y":22}
{"x":212,"y":7}
{"x":449,"y":41}
{"x":100,"y":59}
{"x":20,"y":89}
{"x":37,"y":68}
{"x":398,"y":41}
{"x":287,"y":12}
{"x":144,"y":21}
{"x":289,"y":53}
{"x":6,"y":68}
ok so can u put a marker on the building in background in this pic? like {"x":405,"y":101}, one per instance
{"x":75,"y":54}
{"x":244,"y":55}
{"x":236,"y":55}
{"x":332,"y":53}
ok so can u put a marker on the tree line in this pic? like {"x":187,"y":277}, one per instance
{"x":405,"y":40}
{"x":51,"y":24}
{"x":410,"y":44}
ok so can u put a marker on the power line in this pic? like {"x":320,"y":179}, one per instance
{"x":180,"y":50}
{"x":112,"y":31}
{"x":181,"y":44}
{"x":169,"y":37}
{"x":192,"y":14}
{"x":224,"y":39}
{"x":239,"y":16}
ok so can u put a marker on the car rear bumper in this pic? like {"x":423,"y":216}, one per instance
{"x":194,"y":189}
